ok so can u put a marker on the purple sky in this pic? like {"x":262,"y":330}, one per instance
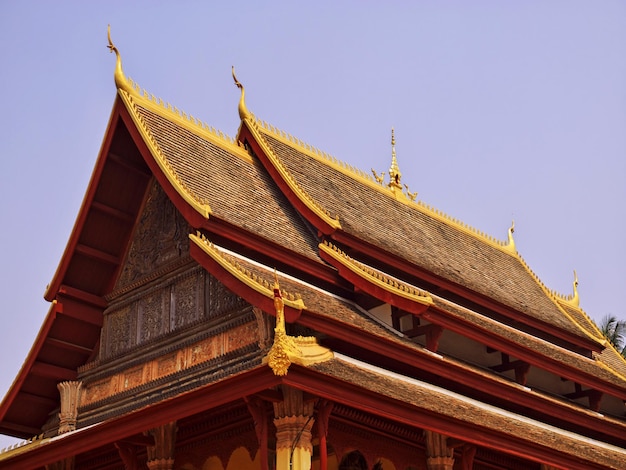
{"x":502,"y":110}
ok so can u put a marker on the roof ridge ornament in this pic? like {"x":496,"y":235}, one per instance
{"x":573,"y":299}
{"x":511,"y":244}
{"x":120,"y":78}
{"x":243,"y":110}
{"x":394,"y":170}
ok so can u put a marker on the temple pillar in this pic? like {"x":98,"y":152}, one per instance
{"x":161,"y":455}
{"x":439,"y":455}
{"x":323,"y":414}
{"x":70,"y":394}
{"x":293,"y":421}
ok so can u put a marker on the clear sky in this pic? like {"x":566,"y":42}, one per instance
{"x":502,"y":110}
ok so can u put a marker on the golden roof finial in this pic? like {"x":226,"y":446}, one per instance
{"x":575,"y":300}
{"x":394,"y":171}
{"x":286,"y":349}
{"x":243,"y":110}
{"x":120,"y":78}
{"x":511,"y":244}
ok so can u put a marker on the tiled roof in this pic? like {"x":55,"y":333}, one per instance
{"x":238,"y":190}
{"x":457,"y":407}
{"x":241,"y":192}
{"x":323,"y":304}
{"x":412,"y":233}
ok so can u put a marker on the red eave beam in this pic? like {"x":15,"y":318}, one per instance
{"x":438,"y":365}
{"x":238,"y":287}
{"x":117,"y":429}
{"x":59,"y":275}
{"x":401,"y":264}
{"x":351,"y":395}
{"x":370,"y":288}
{"x":439,"y":317}
{"x":245,"y":135}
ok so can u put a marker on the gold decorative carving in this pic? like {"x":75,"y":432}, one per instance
{"x":287,"y":349}
{"x":376,"y":277}
{"x":572,"y":300}
{"x":120,"y":78}
{"x":394,"y":170}
{"x":249,"y":278}
{"x":243,"y":110}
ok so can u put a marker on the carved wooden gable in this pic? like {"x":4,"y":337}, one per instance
{"x":160,"y":289}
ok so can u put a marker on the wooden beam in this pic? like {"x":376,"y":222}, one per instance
{"x":432,"y":332}
{"x":50,"y":371}
{"x":19,"y":430}
{"x":461,"y":375}
{"x":79,"y":311}
{"x":68,"y":346}
{"x":118,"y":159}
{"x":96,"y":254}
{"x":83,"y":296}
{"x":49,"y":402}
{"x":113,"y":212}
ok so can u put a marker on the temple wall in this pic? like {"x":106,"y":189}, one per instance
{"x":169,"y":326}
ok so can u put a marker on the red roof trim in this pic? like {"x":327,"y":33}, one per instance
{"x":72,"y":243}
{"x":438,"y":365}
{"x":388,"y":259}
{"x":247,"y":136}
{"x":351,"y":395}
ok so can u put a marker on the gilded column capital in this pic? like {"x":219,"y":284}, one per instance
{"x":70,"y":396}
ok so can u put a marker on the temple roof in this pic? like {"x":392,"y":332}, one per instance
{"x":423,"y":395}
{"x":337,"y":235}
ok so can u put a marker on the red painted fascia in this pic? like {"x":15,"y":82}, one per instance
{"x":396,"y":262}
{"x":440,"y":317}
{"x":181,"y":406}
{"x":59,"y":275}
{"x":375,"y":291}
{"x":245,"y":135}
{"x":238,"y":287}
{"x":436,"y":364}
{"x":192,"y":216}
{"x":30,"y":360}
{"x":351,"y":395}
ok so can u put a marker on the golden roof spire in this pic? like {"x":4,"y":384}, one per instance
{"x":575,"y":300}
{"x":394,"y":171}
{"x":120,"y":78}
{"x":511,"y":244}
{"x":243,"y":110}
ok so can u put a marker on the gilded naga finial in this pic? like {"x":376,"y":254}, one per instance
{"x":284,"y":350}
{"x":575,"y":300}
{"x":394,"y":171}
{"x":379,"y":178}
{"x":511,"y":244}
{"x":120,"y":78}
{"x":243,"y":110}
{"x":411,"y":195}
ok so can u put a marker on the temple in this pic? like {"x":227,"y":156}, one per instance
{"x":254,"y":303}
